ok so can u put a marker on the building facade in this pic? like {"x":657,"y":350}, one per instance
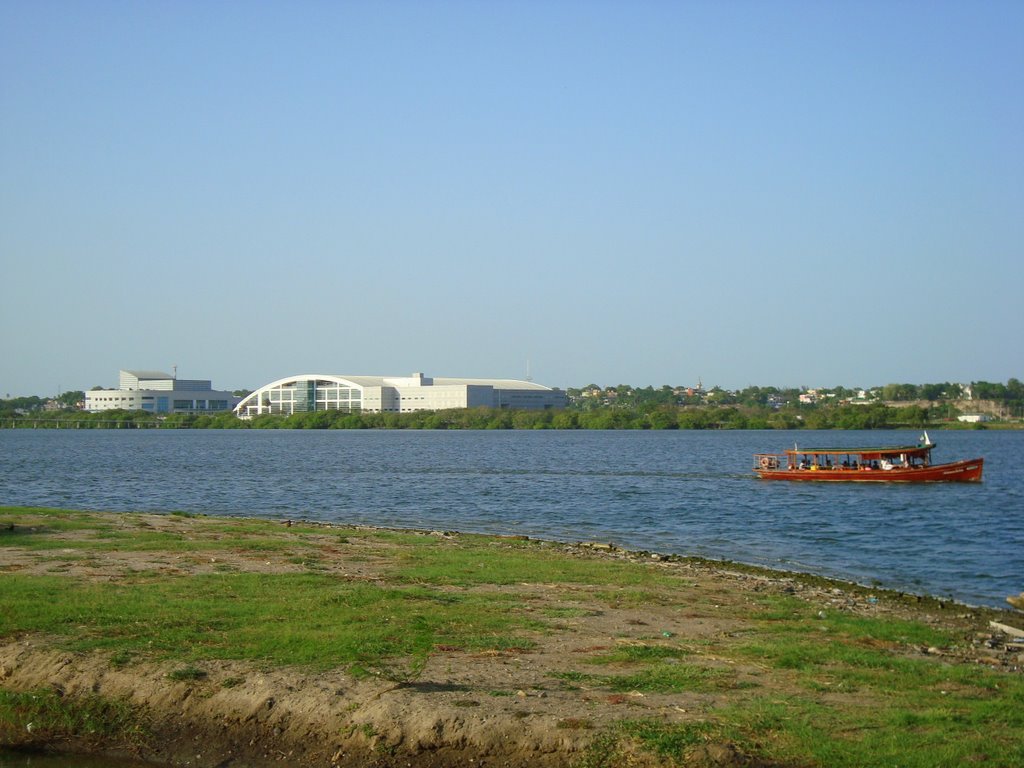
{"x":394,"y":394}
{"x":160,"y":393}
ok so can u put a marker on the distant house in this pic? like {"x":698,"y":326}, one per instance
{"x":973,"y":418}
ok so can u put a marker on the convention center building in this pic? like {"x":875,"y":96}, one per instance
{"x":159,"y":392}
{"x":394,"y":394}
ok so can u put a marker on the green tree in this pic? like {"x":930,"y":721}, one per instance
{"x":565,"y":419}
{"x":933,"y":391}
{"x":898,"y":392}
{"x":912,"y":415}
{"x":664,"y":417}
{"x":1014,"y":390}
{"x":984,"y":390}
{"x":71,"y":398}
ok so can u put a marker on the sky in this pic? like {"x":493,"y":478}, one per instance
{"x":770,"y":193}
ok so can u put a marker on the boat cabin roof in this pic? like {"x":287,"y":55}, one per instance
{"x":866,"y":453}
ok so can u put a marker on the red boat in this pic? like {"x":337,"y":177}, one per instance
{"x":896,"y":464}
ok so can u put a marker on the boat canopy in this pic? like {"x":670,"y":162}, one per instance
{"x":869,"y":454}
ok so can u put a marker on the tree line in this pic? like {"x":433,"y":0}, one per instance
{"x":629,"y":408}
{"x":1009,"y":395}
{"x":875,"y":416}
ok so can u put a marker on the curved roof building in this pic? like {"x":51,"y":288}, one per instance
{"x":394,"y":394}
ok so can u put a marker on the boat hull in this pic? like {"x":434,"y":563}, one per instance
{"x":955,"y":472}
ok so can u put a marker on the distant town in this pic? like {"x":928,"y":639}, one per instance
{"x":977,"y":404}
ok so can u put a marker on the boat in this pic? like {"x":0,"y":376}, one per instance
{"x":893,"y":464}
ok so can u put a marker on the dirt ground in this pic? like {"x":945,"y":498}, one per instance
{"x":464,"y":709}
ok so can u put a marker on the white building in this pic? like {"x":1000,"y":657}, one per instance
{"x":159,"y":393}
{"x":394,"y":394}
{"x":973,"y":418}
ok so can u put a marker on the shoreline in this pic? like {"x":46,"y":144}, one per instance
{"x":652,"y":659}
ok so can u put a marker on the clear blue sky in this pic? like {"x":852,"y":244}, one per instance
{"x":770,"y":193}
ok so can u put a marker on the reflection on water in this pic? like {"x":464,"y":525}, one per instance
{"x":12,"y":759}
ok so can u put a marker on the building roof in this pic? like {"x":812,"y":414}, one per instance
{"x":496,"y":383}
{"x":146,"y":375}
{"x":404,"y":381}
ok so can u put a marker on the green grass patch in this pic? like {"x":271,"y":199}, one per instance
{"x":190,"y":673}
{"x":480,"y":560}
{"x":854,"y":697}
{"x":795,"y":730}
{"x":23,"y":526}
{"x":792,"y":635}
{"x":670,"y":742}
{"x":638,"y":654}
{"x":49,"y":715}
{"x":40,"y":529}
{"x":917,"y":732}
{"x":789,"y":615}
{"x":662,"y":678}
{"x":297,"y":619}
{"x":671,"y":678}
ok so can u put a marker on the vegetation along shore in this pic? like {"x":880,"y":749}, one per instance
{"x":201,"y":641}
{"x":984,"y":405}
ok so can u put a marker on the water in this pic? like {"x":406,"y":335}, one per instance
{"x":14,"y":759}
{"x":684,"y":492}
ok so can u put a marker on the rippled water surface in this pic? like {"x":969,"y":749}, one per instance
{"x":684,"y":492}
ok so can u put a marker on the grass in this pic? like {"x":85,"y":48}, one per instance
{"x":796,"y":731}
{"x":48,"y":716}
{"x":674,"y":678}
{"x":39,"y":529}
{"x":309,"y":620}
{"x":190,"y":673}
{"x":921,"y":732}
{"x":475,"y":560}
{"x":671,"y":743}
{"x":879,"y":706}
{"x":843,"y":692}
{"x":314,"y":619}
{"x":639,"y":653}
{"x":652,"y":669}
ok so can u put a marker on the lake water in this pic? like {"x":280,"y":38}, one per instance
{"x":686,"y":492}
{"x":12,"y":759}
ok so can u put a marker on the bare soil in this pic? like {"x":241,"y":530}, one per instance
{"x":464,"y":709}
